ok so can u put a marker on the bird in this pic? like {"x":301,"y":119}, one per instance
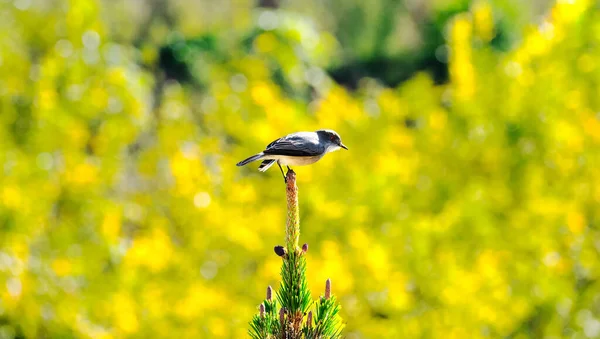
{"x":297,"y":149}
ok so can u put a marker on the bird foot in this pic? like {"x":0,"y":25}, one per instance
{"x":289,"y":174}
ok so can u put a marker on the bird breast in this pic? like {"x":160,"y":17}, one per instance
{"x":296,"y":161}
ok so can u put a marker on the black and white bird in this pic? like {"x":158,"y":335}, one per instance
{"x":297,"y":149}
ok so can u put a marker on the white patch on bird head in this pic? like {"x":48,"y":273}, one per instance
{"x":332,"y":148}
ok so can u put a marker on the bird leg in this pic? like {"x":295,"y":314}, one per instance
{"x":288,"y":171}
{"x":284,"y":178}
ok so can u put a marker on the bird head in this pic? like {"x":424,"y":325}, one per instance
{"x":331,"y":139}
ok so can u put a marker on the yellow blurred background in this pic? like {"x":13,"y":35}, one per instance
{"x":467,"y":206}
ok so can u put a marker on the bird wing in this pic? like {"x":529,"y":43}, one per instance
{"x":301,"y":144}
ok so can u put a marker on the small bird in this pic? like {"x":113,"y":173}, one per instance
{"x":297,"y":149}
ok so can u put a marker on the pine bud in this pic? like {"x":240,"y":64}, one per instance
{"x":309,"y":319}
{"x":328,"y":289}
{"x":261,"y":310}
{"x":269,"y":293}
{"x":282,"y":315}
{"x":280,"y":251}
{"x":305,"y":248}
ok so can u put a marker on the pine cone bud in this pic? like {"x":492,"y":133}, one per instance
{"x":261,"y":310}
{"x":282,"y":316}
{"x":328,"y":289}
{"x":269,"y":293}
{"x":305,"y":248}
{"x":280,"y":251}
{"x":309,"y":319}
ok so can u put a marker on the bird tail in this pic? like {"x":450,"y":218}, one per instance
{"x":251,"y":159}
{"x":266,"y":164}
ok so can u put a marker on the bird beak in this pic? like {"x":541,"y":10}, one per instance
{"x":343,"y":146}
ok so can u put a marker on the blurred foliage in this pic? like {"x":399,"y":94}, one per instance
{"x":464,"y":209}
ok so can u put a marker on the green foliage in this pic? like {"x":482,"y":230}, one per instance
{"x":327,"y":323}
{"x":179,"y":56}
{"x":262,"y":326}
{"x":293,"y":293}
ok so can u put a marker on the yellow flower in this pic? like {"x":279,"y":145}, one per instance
{"x":11,"y":196}
{"x":111,"y":225}
{"x":83,"y":174}
{"x":391,"y":103}
{"x":153,"y":251}
{"x":244,"y":235}
{"x":266,"y":42}
{"x":262,"y":94}
{"x":98,"y":98}
{"x":47,"y":99}
{"x":398,"y":296}
{"x":461,"y":68}
{"x":438,"y":120}
{"x":116,"y":76}
{"x":61,"y":267}
{"x":331,"y":265}
{"x":198,"y":299}
{"x":568,"y":135}
{"x":483,"y":18}
{"x":575,"y":222}
{"x":591,"y":126}
{"x":567,"y":11}
{"x":586,"y":63}
{"x":218,"y":327}
{"x":124,"y":313}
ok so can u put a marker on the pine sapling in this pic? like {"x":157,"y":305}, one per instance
{"x":297,"y":316}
